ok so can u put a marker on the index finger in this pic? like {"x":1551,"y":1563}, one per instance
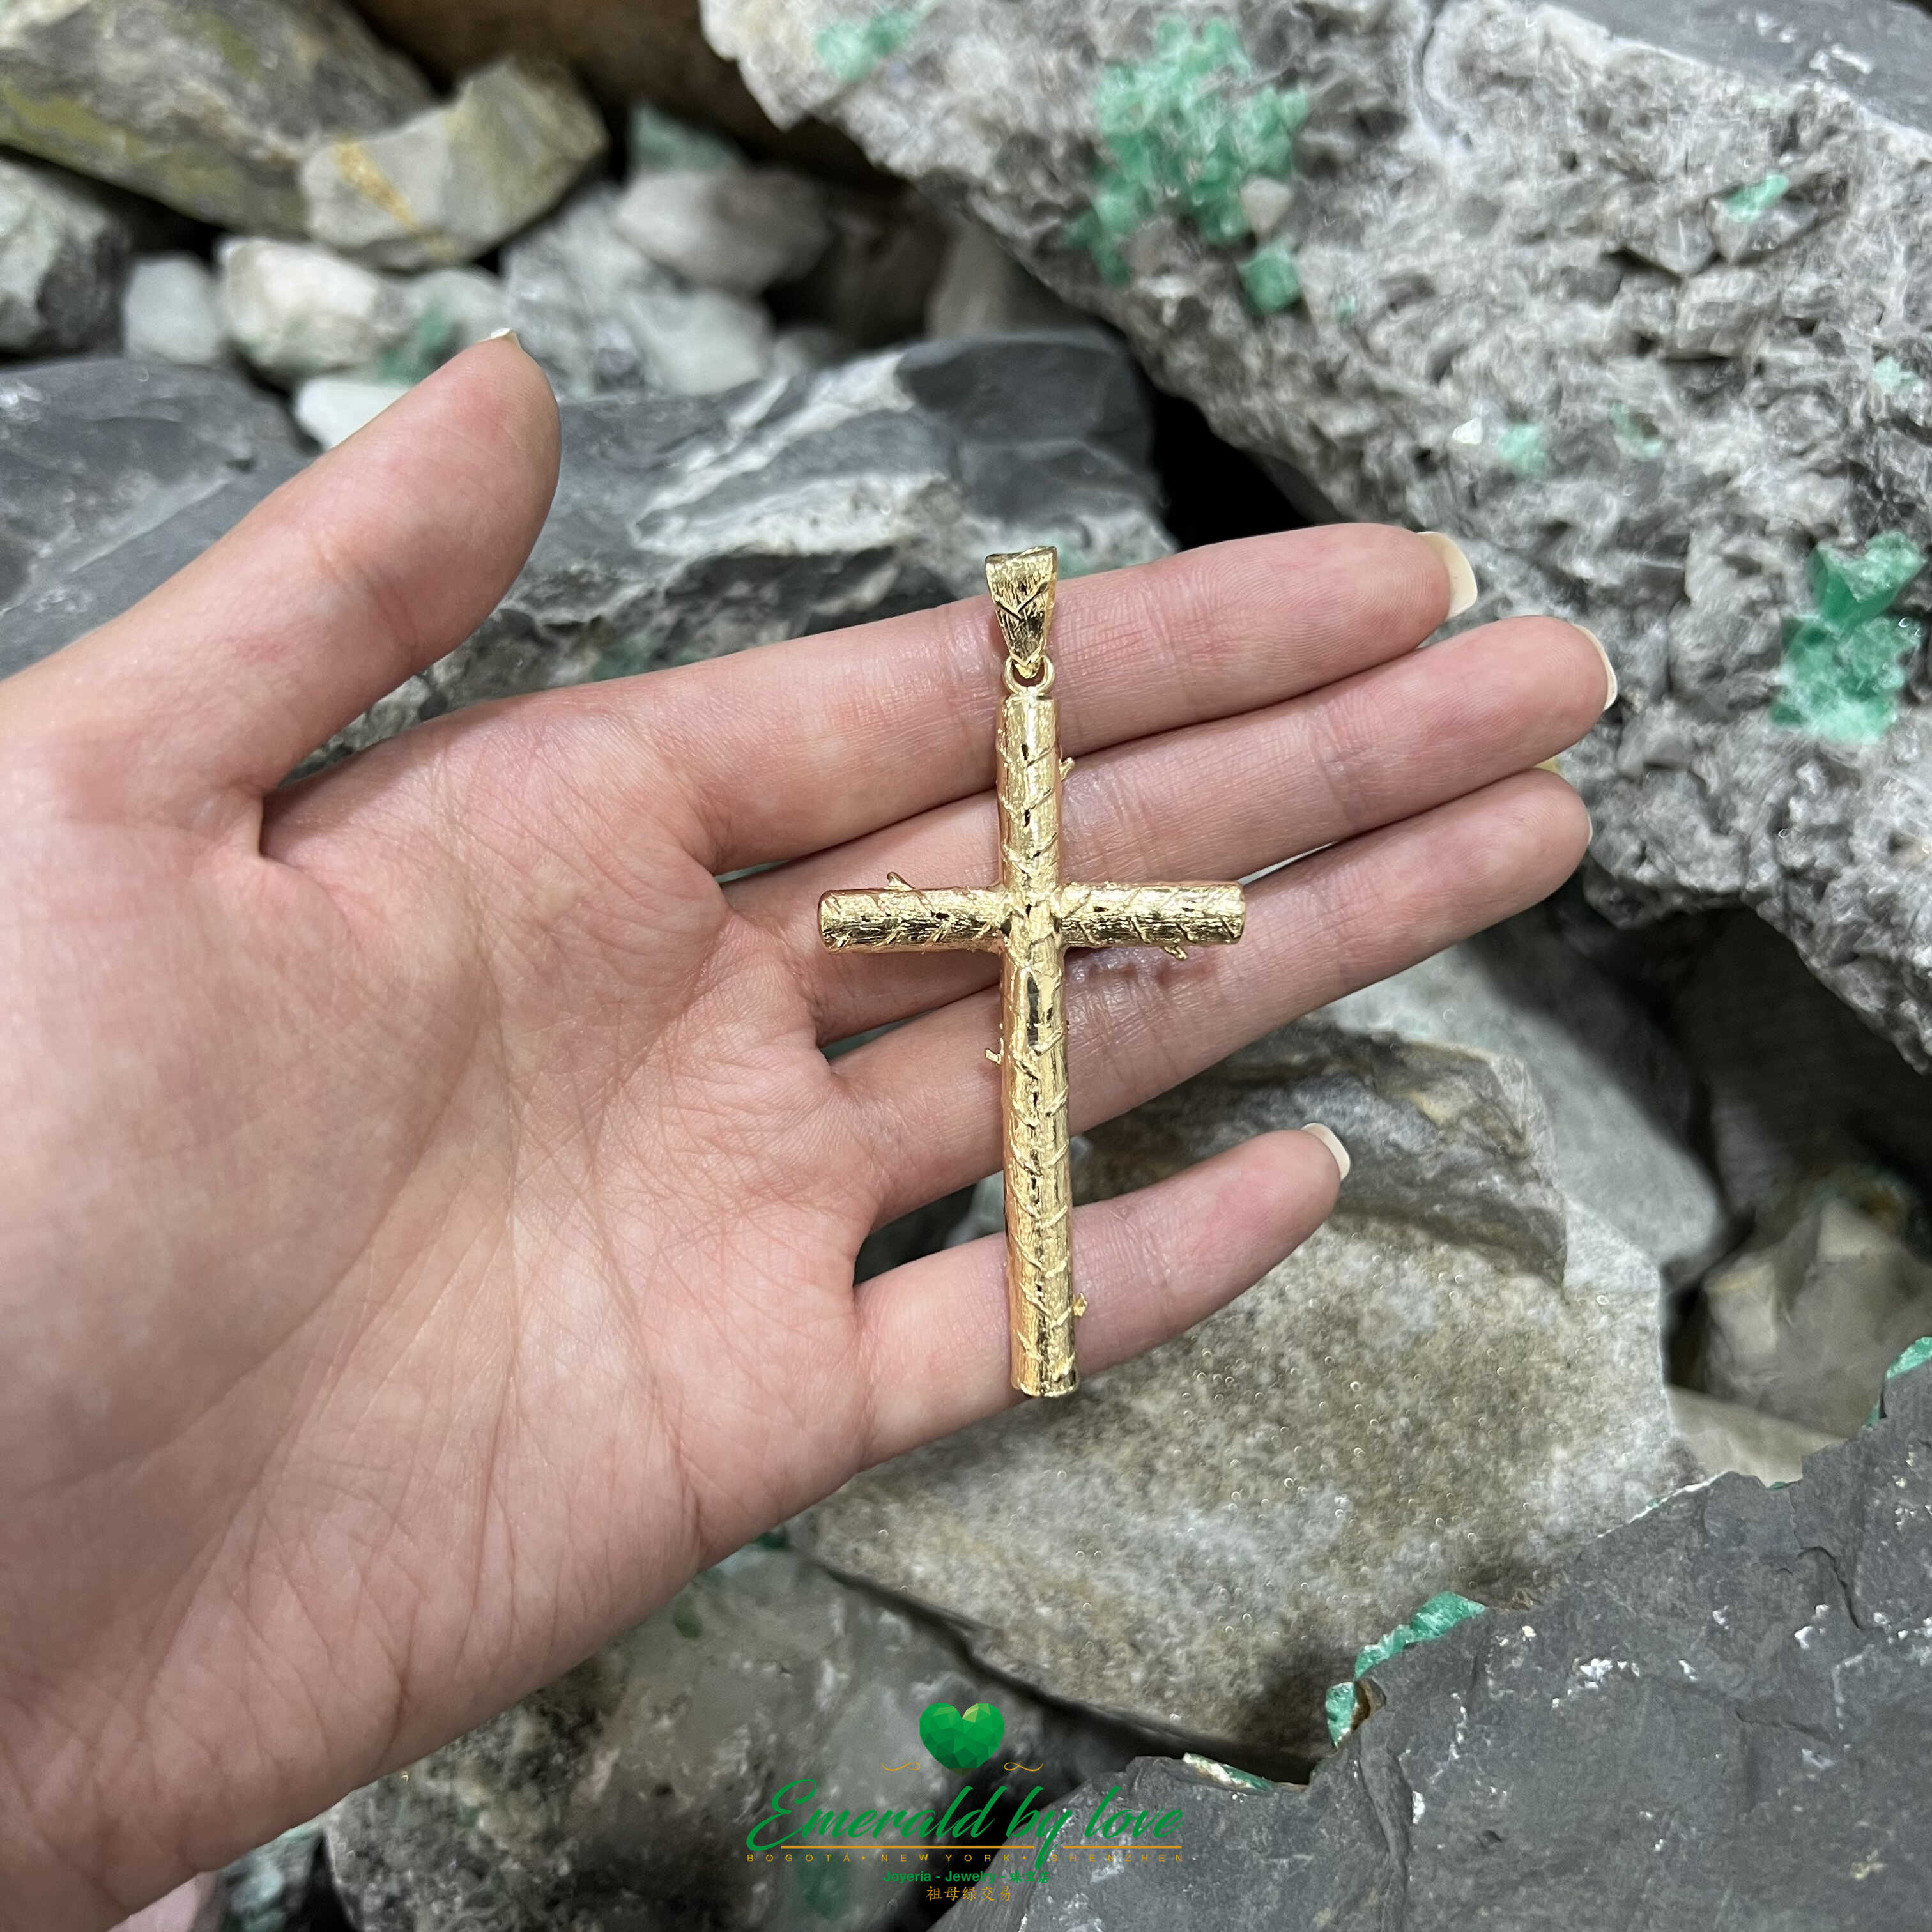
{"x":790,"y":748}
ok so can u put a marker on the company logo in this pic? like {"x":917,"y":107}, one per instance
{"x":962,"y":1740}
{"x":982,"y":1840}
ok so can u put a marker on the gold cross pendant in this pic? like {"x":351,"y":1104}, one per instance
{"x":1029,"y":919}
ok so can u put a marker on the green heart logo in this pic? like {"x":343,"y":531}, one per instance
{"x":961,"y":1739}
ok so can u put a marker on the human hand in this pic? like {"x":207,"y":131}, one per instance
{"x":428,"y":1216}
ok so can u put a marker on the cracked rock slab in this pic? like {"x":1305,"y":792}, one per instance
{"x":681,"y":528}
{"x":113,"y":475}
{"x":685,"y":528}
{"x":1642,"y":327}
{"x":621,"y":1794}
{"x":1721,"y":1715}
{"x":1452,"y":1385}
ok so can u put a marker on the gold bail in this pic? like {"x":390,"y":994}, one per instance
{"x":1022,"y":583}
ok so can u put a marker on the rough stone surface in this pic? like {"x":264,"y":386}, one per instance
{"x":451,"y":184}
{"x":1450,"y":1386}
{"x":1640,"y":327}
{"x":171,"y":312}
{"x":682,"y":529}
{"x":622,"y":1795}
{"x":113,"y":475}
{"x":1805,"y":1327}
{"x":740,"y":229}
{"x":624,"y":51}
{"x":1726,"y":1435}
{"x":600,"y":315}
{"x":210,"y":109}
{"x":1622,"y":1108}
{"x":1721,"y":1716}
{"x":62,"y":253}
{"x":296,"y":310}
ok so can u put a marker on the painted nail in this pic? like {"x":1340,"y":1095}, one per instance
{"x":502,"y":334}
{"x":1609,"y":669}
{"x":1327,"y":1136}
{"x":1462,"y":592}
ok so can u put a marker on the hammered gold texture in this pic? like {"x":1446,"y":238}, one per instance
{"x":1030,"y":918}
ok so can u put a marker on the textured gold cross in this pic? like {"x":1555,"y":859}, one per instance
{"x":1029,"y":919}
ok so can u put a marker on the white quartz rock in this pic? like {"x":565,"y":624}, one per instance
{"x":451,"y":184}
{"x":600,"y":315}
{"x":332,"y":408}
{"x":697,"y":341}
{"x":736,"y":230}
{"x":981,"y":290}
{"x":171,"y":312}
{"x":296,"y":310}
{"x":807,"y":346}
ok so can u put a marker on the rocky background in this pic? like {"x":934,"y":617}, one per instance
{"x":837,"y":297}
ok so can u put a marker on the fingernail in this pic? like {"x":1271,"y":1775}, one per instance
{"x":1462,"y":592}
{"x":1609,"y":669}
{"x":504,"y":335}
{"x":1554,"y":768}
{"x":1327,"y":1137}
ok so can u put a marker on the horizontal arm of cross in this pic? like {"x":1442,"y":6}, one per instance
{"x":1165,"y":915}
{"x":899,"y":918}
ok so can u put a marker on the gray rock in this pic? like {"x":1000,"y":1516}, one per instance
{"x":276,"y":1886}
{"x":1639,"y":327}
{"x":1719,"y":1716}
{"x":112,"y":475}
{"x":1806,"y":1326}
{"x":740,"y":229}
{"x":62,"y":254}
{"x":1621,"y":1106}
{"x":1452,"y":1385}
{"x":600,"y":315}
{"x":623,"y":1794}
{"x":451,"y":184}
{"x":686,"y":528}
{"x":681,"y":528}
{"x":171,"y":312}
{"x":210,"y":109}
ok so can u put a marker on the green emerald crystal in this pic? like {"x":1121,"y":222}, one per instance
{"x":1181,"y":132}
{"x":1845,"y":664}
{"x":1272,"y":282}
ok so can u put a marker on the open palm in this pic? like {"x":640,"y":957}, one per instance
{"x":427,"y":1213}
